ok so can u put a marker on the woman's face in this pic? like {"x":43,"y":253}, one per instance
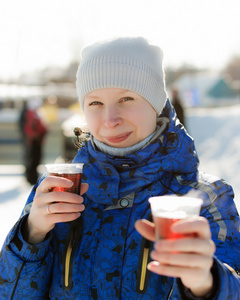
{"x":119,"y":118}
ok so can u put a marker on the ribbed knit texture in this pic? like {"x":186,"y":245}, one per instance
{"x":127,"y":63}
{"x":121,"y":151}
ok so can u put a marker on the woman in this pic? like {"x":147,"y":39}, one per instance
{"x":68,"y":246}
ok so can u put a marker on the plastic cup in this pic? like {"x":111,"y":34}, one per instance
{"x":70,"y":171}
{"x":167,"y":210}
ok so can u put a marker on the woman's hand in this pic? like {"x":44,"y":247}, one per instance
{"x":51,"y":207}
{"x":189,"y":259}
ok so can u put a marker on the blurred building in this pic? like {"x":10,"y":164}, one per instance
{"x":13,"y":95}
{"x":206,"y":89}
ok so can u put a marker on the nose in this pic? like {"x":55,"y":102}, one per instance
{"x":112,"y":117}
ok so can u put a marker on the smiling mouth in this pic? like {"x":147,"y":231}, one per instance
{"x":118,"y":138}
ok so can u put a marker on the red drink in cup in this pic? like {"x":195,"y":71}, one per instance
{"x":70,"y":171}
{"x":164,"y":222}
{"x":167,"y":210}
{"x":75,"y":178}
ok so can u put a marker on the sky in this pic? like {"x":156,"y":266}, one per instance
{"x":35,"y":34}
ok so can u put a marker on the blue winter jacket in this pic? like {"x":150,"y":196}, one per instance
{"x":101,"y":255}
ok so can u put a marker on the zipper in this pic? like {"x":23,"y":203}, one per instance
{"x":144,"y":259}
{"x":71,"y":245}
{"x":18,"y":276}
{"x":170,"y":293}
{"x":144,"y":269}
{"x":67,"y":265}
{"x":143,"y":272}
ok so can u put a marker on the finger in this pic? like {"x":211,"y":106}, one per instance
{"x":190,"y":245}
{"x":56,"y":197}
{"x":197,"y":225}
{"x":146,"y":229}
{"x":62,"y":218}
{"x":84,"y":188}
{"x":63,"y":208}
{"x":52,"y":181}
{"x":183,"y":259}
{"x":175,"y":271}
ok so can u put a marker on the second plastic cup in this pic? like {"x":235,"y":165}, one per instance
{"x":167,"y":210}
{"x":71,"y":171}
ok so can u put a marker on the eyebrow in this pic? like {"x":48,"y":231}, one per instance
{"x":121,"y":94}
{"x":124,"y":92}
{"x":91,"y":97}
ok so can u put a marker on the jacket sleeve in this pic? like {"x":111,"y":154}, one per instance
{"x":225,"y":223}
{"x":220,"y":210}
{"x":25,"y":269}
{"x":223,"y":278}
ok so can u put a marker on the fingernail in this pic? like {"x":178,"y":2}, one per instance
{"x":152,"y":265}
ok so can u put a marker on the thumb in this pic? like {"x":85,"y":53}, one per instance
{"x":146,"y":229}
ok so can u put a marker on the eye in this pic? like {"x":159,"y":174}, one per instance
{"x":127,"y":99}
{"x":94,"y":103}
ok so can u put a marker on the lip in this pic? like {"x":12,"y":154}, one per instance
{"x":118,"y":138}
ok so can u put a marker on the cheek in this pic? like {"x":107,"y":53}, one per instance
{"x":147,"y":130}
{"x":146,"y":123}
{"x":92,"y":122}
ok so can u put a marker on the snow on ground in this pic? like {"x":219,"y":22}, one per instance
{"x":217,"y":137}
{"x":13,"y":194}
{"x":216,"y":132}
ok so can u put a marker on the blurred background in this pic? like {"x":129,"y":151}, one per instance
{"x":40,"y":45}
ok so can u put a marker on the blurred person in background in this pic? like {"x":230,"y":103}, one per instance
{"x":22,"y":120}
{"x":69,"y":246}
{"x":33,"y":131}
{"x":178,"y":106}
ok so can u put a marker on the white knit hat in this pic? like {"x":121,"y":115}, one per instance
{"x":129,"y":63}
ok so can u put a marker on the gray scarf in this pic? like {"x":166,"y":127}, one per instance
{"x":113,"y":151}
